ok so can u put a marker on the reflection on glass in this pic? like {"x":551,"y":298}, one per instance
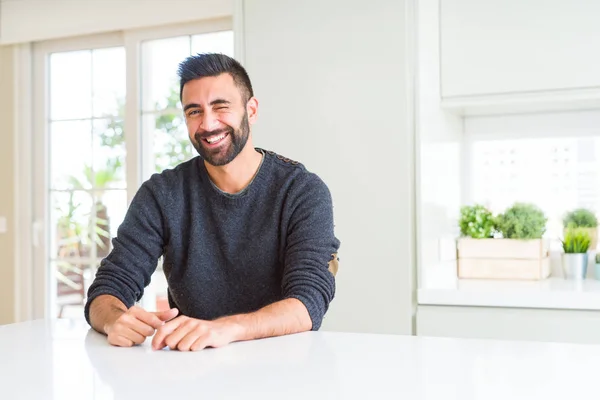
{"x":70,"y":215}
{"x":70,"y":85}
{"x":111,"y":206}
{"x":70,"y":155}
{"x":171,"y":143}
{"x":109,"y":154}
{"x":160,"y":60}
{"x":108,"y":80}
{"x":214,"y":42}
{"x":72,"y":282}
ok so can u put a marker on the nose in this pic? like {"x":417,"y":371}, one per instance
{"x":209,"y":121}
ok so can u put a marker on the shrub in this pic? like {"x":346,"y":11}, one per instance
{"x":580,"y":218}
{"x":576,"y":241}
{"x":522,"y":221}
{"x":476,"y":222}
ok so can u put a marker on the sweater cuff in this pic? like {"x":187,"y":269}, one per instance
{"x":314,"y":311}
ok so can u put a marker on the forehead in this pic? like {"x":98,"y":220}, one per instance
{"x":206,"y":89}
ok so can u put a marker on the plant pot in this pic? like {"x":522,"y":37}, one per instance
{"x":574,"y":265}
{"x":503,"y":259}
{"x":593,"y":232}
{"x":597,"y":271}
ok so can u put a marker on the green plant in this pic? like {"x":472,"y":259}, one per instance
{"x":522,"y":221}
{"x":476,"y":222}
{"x":580,"y":218}
{"x":576,"y":241}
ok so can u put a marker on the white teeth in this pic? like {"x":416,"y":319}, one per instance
{"x":216,"y":138}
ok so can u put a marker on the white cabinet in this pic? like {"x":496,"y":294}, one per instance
{"x":573,"y":326}
{"x":503,"y":47}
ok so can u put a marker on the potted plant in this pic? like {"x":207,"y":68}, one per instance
{"x":476,"y":222}
{"x":575,"y":258}
{"x":597,"y":267}
{"x":585,"y":220}
{"x":520,"y":252}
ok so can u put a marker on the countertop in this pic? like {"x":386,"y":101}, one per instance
{"x":63,"y":359}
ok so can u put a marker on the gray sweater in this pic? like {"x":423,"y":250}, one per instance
{"x":226,"y":254}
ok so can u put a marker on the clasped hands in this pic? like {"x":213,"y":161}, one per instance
{"x":182,"y":333}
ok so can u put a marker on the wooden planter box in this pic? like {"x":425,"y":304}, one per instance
{"x":503,"y":259}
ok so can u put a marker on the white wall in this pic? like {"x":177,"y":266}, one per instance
{"x":331,"y":78}
{"x":34,"y":20}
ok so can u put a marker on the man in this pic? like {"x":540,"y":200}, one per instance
{"x":247,"y":236}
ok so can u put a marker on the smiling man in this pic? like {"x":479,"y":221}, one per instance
{"x":247,"y":236}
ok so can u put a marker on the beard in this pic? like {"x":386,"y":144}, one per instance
{"x":223,"y":155}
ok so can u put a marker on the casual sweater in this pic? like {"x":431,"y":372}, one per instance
{"x":226,"y":254}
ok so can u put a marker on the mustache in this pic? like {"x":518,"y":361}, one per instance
{"x":206,"y":134}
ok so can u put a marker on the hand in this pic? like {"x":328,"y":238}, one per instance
{"x":135,"y":325}
{"x":185,"y":334}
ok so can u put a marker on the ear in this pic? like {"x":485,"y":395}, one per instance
{"x":252,"y":109}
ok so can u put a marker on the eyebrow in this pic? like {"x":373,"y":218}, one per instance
{"x":212,"y":103}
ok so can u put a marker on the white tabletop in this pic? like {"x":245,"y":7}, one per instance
{"x":65,"y":360}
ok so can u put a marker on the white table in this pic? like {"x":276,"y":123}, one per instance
{"x":65,"y":360}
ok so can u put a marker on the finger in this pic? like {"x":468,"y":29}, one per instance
{"x":185,"y":343}
{"x":182,"y":331}
{"x":202,"y":342}
{"x":132,"y":322}
{"x":132,"y":335}
{"x":167,"y":315}
{"x":158,"y":342}
{"x":120,"y":341}
{"x":146,"y":317}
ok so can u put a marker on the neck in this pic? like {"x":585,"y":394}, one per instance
{"x":235,"y":176}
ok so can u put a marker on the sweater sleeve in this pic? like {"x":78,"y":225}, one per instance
{"x":139,"y":243}
{"x":311,"y":245}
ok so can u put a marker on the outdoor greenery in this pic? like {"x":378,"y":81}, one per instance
{"x":522,"y":221}
{"x":476,"y":222}
{"x":580,"y":218}
{"x":75,"y":236}
{"x":576,"y":241}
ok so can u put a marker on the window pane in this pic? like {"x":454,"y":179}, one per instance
{"x":70,"y":85}
{"x":214,"y":42}
{"x":70,"y":155}
{"x":73,"y":278}
{"x":171,"y":144}
{"x":70,"y":223}
{"x":111,"y":206}
{"x":108,"y":66}
{"x":109,"y":154}
{"x":160,"y":60}
{"x":557,"y":174}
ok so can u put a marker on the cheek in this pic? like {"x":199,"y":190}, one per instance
{"x":192,"y":127}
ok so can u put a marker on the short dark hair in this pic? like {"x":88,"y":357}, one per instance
{"x":214,"y":64}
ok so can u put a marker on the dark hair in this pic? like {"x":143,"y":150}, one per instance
{"x":213,"y":64}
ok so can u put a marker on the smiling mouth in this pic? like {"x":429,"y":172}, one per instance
{"x":216,"y":139}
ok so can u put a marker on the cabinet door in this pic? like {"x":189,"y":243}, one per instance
{"x":504,"y":46}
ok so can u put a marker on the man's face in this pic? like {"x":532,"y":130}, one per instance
{"x":216,"y":117}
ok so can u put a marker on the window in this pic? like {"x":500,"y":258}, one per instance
{"x":108,"y":116}
{"x":87,"y":190}
{"x":556,"y":174}
{"x":162,"y":116}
